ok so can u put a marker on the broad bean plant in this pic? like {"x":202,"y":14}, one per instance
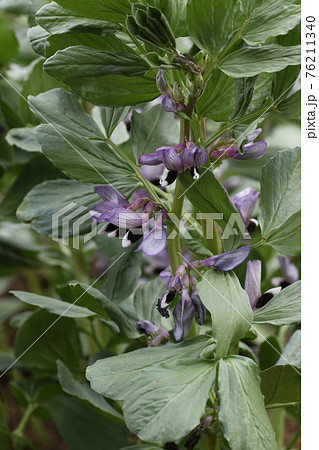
{"x":152,"y":203}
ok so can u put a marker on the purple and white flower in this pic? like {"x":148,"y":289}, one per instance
{"x":224,"y":261}
{"x":251,"y":150}
{"x":253,"y":286}
{"x":194,"y":157}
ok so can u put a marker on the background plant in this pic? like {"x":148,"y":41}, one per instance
{"x":77,"y":111}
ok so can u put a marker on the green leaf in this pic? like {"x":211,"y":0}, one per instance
{"x":59,"y":198}
{"x":38,"y":39}
{"x":290,"y":107}
{"x":209,"y":196}
{"x":110,"y":10}
{"x":167,"y":401}
{"x":123,"y":276}
{"x":210,"y":23}
{"x":152,"y":129}
{"x":37,"y":82}
{"x":113,"y":377}
{"x":23,"y":138}
{"x":83,"y":391}
{"x":292,"y":352}
{"x":244,"y":95}
{"x":269,"y":352}
{"x":229,"y":307}
{"x":115,"y":90}
{"x":279,"y":206}
{"x":9,"y":43}
{"x":43,"y":338}
{"x":271,"y":18}
{"x":218,"y":100}
{"x":53,"y":305}
{"x":84,"y":160}
{"x":113,"y":311}
{"x":242,"y":411}
{"x":283,"y":309}
{"x":60,"y":107}
{"x":81,"y":427}
{"x":57,"y":20}
{"x":32,"y":173}
{"x":280,"y":384}
{"x":111,"y":117}
{"x":79,"y":61}
{"x":250,"y":61}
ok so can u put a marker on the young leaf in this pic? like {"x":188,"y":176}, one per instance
{"x":152,"y":129}
{"x":242,"y":412}
{"x":23,"y":138}
{"x":229,"y":307}
{"x":111,"y":117}
{"x":250,"y":61}
{"x":210,"y":23}
{"x":279,"y":204}
{"x":283,"y":309}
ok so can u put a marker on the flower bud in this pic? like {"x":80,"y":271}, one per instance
{"x":161,"y":83}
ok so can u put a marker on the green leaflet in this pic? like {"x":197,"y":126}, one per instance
{"x":210,"y":23}
{"x":79,"y":61}
{"x":110,"y":10}
{"x":250,"y":61}
{"x":279,"y":206}
{"x":229,"y":307}
{"x":242,"y":411}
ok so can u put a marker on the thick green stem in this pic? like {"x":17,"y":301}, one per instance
{"x":173,"y":241}
{"x":277,"y":419}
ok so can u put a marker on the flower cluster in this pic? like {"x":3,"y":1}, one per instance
{"x":190,"y":302}
{"x":121,"y":219}
{"x":176,"y":159}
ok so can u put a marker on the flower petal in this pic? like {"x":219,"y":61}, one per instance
{"x":289,"y":270}
{"x":253,"y":282}
{"x":184,"y":313}
{"x":154,"y":242}
{"x":150,"y":160}
{"x":172,"y":161}
{"x":226,"y":261}
{"x":124,"y":218}
{"x":108,"y":194}
{"x":245,"y":202}
{"x":153,"y":173}
{"x":253,"y":150}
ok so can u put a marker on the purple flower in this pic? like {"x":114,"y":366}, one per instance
{"x":224,"y":261}
{"x":118,"y":214}
{"x":171,"y":160}
{"x":245,"y":202}
{"x":194,"y":157}
{"x":184,"y":313}
{"x":289,"y":271}
{"x":149,"y":328}
{"x":253,"y":286}
{"x":155,"y":240}
{"x":169,"y":105}
{"x":252,"y":150}
{"x":153,"y":173}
